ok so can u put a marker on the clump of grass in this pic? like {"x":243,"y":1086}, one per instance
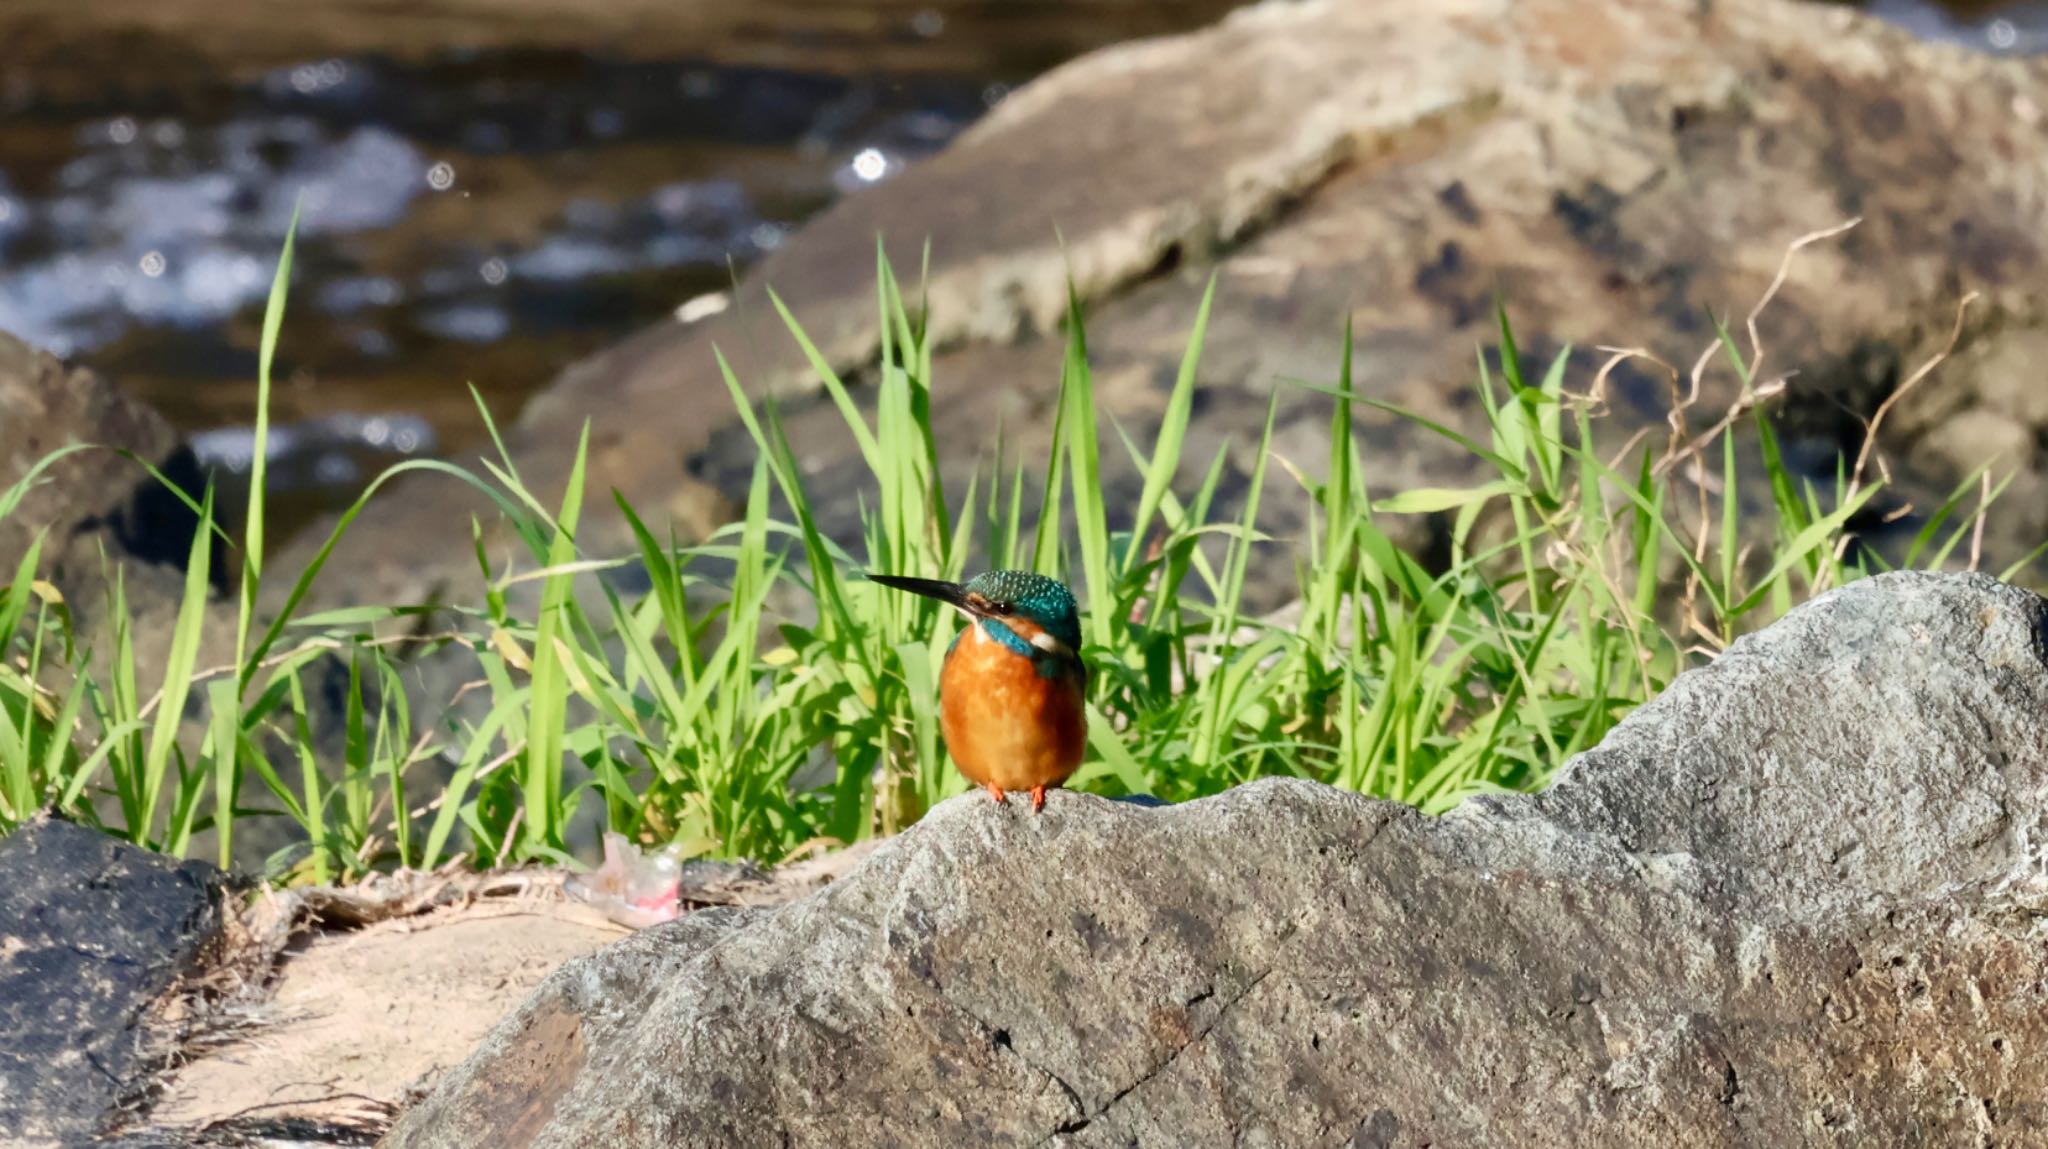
{"x":695,"y":713}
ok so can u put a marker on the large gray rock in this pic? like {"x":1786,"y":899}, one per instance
{"x":1795,"y":900}
{"x":1618,"y":171}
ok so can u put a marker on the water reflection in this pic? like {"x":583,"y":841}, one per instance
{"x":2005,"y":29}
{"x":483,"y":219}
{"x":154,"y":224}
{"x":524,"y":208}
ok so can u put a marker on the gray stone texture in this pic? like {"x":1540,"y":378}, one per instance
{"x":1795,"y":900}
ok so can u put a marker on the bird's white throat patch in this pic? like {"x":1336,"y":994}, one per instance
{"x":995,"y":630}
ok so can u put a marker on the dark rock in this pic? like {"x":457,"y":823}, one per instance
{"x":93,"y":931}
{"x":1795,"y":900}
{"x":46,"y":406}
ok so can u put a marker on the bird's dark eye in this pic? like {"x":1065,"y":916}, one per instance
{"x":999,"y":607}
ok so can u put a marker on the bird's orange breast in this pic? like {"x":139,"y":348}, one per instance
{"x":1005,"y":722}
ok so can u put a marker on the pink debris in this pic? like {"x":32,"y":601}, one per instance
{"x":633,"y":889}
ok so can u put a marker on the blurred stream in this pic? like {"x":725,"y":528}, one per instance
{"x":485,"y":217}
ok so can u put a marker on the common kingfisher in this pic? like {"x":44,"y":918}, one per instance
{"x":1010,"y":693}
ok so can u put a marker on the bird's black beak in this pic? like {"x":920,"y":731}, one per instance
{"x":951,"y":593}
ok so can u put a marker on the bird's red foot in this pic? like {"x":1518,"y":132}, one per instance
{"x":1037,"y":799}
{"x":995,"y":791}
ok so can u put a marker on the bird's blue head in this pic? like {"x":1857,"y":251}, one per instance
{"x":996,"y":598}
{"x":1043,"y":601}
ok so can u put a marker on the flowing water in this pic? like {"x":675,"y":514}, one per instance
{"x":486,"y":216}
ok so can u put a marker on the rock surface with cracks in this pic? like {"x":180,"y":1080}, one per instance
{"x":1797,"y":899}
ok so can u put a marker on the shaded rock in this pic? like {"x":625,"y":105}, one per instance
{"x":1794,"y":900}
{"x":47,"y":405}
{"x":1986,"y":404}
{"x":103,"y":517}
{"x":1615,"y":171}
{"x":96,"y":510}
{"x":93,"y":931}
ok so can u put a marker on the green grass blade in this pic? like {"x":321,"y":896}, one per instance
{"x":1091,"y":520}
{"x":541,"y":783}
{"x":179,"y":667}
{"x":259,"y":462}
{"x":1173,"y":426}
